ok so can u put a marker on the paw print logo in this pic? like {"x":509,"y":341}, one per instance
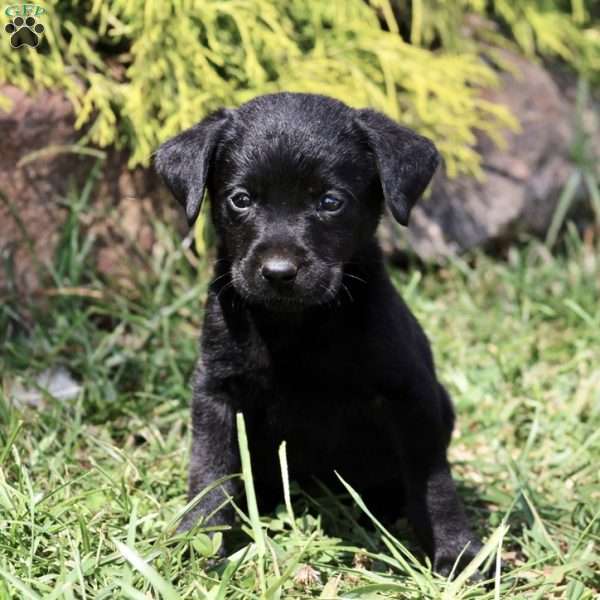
{"x":24,"y":32}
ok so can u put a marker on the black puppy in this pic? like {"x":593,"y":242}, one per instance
{"x":304,"y":332}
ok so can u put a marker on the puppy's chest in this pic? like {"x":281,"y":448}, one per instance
{"x":310,"y":381}
{"x":325,"y":430}
{"x":311,"y":405}
{"x":316,"y":392}
{"x":304,"y":382}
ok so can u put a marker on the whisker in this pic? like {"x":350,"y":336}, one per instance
{"x":225,"y":287}
{"x":355,"y":277}
{"x":347,"y":292}
{"x":219,"y":277}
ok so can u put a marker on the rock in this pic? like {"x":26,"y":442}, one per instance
{"x":522,"y":181}
{"x":37,"y":176}
{"x":56,"y":382}
{"x":29,"y":221}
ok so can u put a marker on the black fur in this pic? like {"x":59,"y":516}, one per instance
{"x":304,"y":332}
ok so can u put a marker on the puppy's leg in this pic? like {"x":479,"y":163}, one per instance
{"x":433,"y":506}
{"x":214,"y":455}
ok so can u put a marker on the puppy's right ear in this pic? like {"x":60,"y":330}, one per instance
{"x":183,"y":161}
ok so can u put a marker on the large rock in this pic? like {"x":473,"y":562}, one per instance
{"x":29,"y":216}
{"x":38,"y":173}
{"x":522,"y":181}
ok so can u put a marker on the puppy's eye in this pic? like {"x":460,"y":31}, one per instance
{"x":330,"y":204}
{"x":240,"y":201}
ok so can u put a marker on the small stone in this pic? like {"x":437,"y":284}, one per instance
{"x":56,"y":381}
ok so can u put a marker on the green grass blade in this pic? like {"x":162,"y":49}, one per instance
{"x":489,"y":548}
{"x":253,"y":514}
{"x":166,"y":590}
{"x":285,"y":479}
{"x":562,"y":207}
{"x":26,"y":591}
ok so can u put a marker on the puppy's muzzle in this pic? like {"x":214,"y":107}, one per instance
{"x":279,"y":271}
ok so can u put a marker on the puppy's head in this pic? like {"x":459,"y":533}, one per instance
{"x":296,"y":183}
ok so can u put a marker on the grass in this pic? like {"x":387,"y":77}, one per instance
{"x":91,"y":489}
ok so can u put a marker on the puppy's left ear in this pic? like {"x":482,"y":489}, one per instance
{"x":406,"y":161}
{"x":183,"y":162}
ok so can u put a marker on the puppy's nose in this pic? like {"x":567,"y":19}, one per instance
{"x":280,"y":270}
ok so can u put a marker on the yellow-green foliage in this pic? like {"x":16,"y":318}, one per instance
{"x":140,"y":71}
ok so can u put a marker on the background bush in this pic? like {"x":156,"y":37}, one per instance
{"x":139,"y":71}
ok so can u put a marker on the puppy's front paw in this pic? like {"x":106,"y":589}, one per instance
{"x":211,"y":543}
{"x":456,"y":555}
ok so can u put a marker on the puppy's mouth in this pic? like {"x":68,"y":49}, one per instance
{"x":307,"y":290}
